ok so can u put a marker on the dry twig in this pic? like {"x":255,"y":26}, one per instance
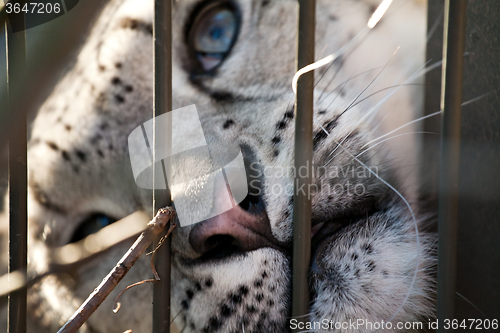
{"x":118,"y":272}
{"x":116,"y":304}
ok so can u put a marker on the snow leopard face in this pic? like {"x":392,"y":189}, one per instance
{"x":235,"y":60}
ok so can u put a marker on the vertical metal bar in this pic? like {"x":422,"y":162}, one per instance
{"x":304,"y":103}
{"x":451,"y":100}
{"x":18,"y":174}
{"x":161,"y":198}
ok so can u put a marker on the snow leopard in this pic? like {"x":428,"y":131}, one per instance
{"x":372,"y":251}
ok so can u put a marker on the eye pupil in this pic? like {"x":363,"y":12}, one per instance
{"x":213,"y":34}
{"x":216,"y":33}
{"x":91,"y":225}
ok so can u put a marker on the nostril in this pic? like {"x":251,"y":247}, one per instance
{"x":220,"y":246}
{"x":232,"y":232}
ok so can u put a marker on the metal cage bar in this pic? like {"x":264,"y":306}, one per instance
{"x":18,"y":175}
{"x":451,"y":101}
{"x":304,"y":103}
{"x":161,"y":198}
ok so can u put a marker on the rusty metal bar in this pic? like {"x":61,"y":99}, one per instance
{"x":304,"y":103}
{"x":451,"y":100}
{"x":161,"y":198}
{"x":18,"y":175}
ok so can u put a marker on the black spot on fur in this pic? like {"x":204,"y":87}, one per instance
{"x":243,"y":290}
{"x":119,"y":98}
{"x":322,"y":112}
{"x":321,"y":134}
{"x":259,"y":297}
{"x":318,"y":137}
{"x":354,"y":256}
{"x":264,"y":274}
{"x":289,"y":114}
{"x":68,"y":127}
{"x":225,"y":310}
{"x":251,"y":309}
{"x":209,"y":282}
{"x":276,"y":152}
{"x":228,"y":123}
{"x":276,"y":140}
{"x":189,"y":294}
{"x":214,"y":324}
{"x":271,"y":302}
{"x":116,"y":80}
{"x":280,"y":125}
{"x":52,"y":145}
{"x":129,"y":88}
{"x":104,"y":126}
{"x":265,"y":2}
{"x":185,"y":304}
{"x":139,"y":25}
{"x":385,"y":273}
{"x":367,"y":248}
{"x":222,"y":96}
{"x":371,"y":266}
{"x":257,"y":283}
{"x":100,"y":153}
{"x":81,"y":155}
{"x":236,"y":299}
{"x":118,"y":65}
{"x":65,"y":155}
{"x":102,"y":68}
{"x":197,"y":286}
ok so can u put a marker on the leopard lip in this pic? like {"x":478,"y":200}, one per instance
{"x":330,"y":228}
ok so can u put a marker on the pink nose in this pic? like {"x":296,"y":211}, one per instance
{"x":236,"y":230}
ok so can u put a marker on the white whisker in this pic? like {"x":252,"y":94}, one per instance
{"x":374,"y":108}
{"x":402,"y":126}
{"x":393,"y":137}
{"x":477,"y":98}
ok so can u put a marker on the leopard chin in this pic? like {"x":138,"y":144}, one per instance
{"x":372,"y":256}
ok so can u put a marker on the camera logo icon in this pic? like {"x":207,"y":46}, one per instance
{"x":206,"y":177}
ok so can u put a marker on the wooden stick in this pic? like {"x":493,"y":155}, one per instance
{"x":118,"y":272}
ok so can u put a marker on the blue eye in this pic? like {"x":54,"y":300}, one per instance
{"x":213,"y":33}
{"x":91,"y":225}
